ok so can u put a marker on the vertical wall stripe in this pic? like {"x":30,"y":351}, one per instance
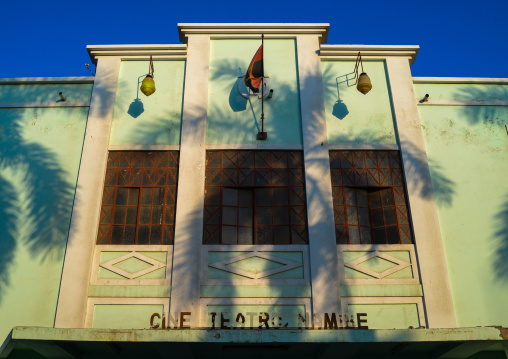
{"x":322,"y":247}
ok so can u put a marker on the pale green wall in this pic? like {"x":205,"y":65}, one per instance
{"x":352,"y":117}
{"x":40,"y":150}
{"x":125,"y":316}
{"x":45,"y":92}
{"x":388,"y":316}
{"x":467,"y":147}
{"x":462,"y":92}
{"x":235,"y":120}
{"x":148,"y":120}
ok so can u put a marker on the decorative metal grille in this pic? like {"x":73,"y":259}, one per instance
{"x":369,"y":199}
{"x":138,"y":203}
{"x":255,"y":197}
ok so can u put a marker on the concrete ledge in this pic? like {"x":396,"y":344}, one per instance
{"x":494,"y":334}
{"x":369,"y":51}
{"x":45,"y":104}
{"x":184,"y":30}
{"x":463,"y":103}
{"x":47,"y":80}
{"x":460,"y":80}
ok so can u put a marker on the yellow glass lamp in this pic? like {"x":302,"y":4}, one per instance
{"x":148,"y":84}
{"x":363,"y":81}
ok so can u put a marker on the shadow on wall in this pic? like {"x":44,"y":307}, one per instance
{"x":501,"y":227}
{"x":481,"y":114}
{"x":495,"y":118}
{"x":36,"y":216}
{"x":442,"y":187}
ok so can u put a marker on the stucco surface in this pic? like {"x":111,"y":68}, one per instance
{"x":40,"y":151}
{"x":467,"y":148}
{"x":148,"y":120}
{"x":233,"y":119}
{"x":354,"y":118}
{"x":45,"y":92}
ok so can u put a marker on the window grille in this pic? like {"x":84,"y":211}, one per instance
{"x":138,"y":203}
{"x":255,"y":197}
{"x":369,"y":198}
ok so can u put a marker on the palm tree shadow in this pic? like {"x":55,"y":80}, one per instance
{"x":501,"y":254}
{"x":8,"y":209}
{"x":38,"y":217}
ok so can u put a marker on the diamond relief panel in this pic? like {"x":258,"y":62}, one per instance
{"x":231,"y":265}
{"x":112,"y":265}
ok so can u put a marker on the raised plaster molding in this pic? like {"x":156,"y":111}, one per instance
{"x":369,"y":51}
{"x":136,"y":51}
{"x":459,"y":80}
{"x":224,"y":265}
{"x":144,"y":147}
{"x":363,"y":147}
{"x":304,"y":249}
{"x":92,"y":302}
{"x":45,"y":104}
{"x":463,"y":103}
{"x":347,"y":301}
{"x":94,"y":279}
{"x":254,"y":147}
{"x":47,"y":80}
{"x":269,"y":30}
{"x":356,"y":264}
{"x":410,"y":248}
{"x":110,"y":265}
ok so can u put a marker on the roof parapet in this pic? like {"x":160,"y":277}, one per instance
{"x":253,"y":30}
{"x":137,"y":51}
{"x":372,"y":51}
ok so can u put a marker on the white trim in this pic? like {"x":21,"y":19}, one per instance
{"x":388,"y":300}
{"x":94,"y":278}
{"x":304,"y":249}
{"x":189,"y":29}
{"x":464,"y":103}
{"x":319,"y":199}
{"x":363,"y":147}
{"x":139,"y":51}
{"x":45,"y":104}
{"x":185,"y":286}
{"x":368,"y":51}
{"x":341,"y":248}
{"x":47,"y":80}
{"x":92,"y":302}
{"x":440,"y":312}
{"x":205,"y":302}
{"x":254,"y":147}
{"x":144,"y":148}
{"x":77,"y":267}
{"x":460,"y":80}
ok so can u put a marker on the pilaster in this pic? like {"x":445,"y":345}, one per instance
{"x":322,"y":246}
{"x":191,"y":183}
{"x":72,"y":301}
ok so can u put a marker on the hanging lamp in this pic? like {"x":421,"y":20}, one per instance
{"x":148,"y":84}
{"x":363,"y":81}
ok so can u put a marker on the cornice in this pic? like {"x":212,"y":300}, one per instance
{"x":460,"y":80}
{"x":47,"y":80}
{"x":136,"y":51}
{"x":369,"y":51}
{"x":248,"y":30}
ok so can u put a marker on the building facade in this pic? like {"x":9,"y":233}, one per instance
{"x":163,"y":221}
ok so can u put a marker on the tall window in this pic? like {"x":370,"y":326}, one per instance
{"x":138,"y":203}
{"x":369,"y":199}
{"x":255,"y":197}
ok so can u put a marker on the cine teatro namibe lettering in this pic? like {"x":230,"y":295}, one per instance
{"x":262,"y":320}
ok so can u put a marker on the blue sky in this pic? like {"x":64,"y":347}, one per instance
{"x":456,"y":38}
